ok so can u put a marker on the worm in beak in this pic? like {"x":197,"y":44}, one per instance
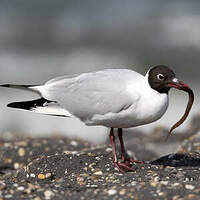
{"x":175,"y":83}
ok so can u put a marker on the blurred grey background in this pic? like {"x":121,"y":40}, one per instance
{"x":40,"y":40}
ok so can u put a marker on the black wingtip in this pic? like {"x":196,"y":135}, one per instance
{"x":28,"y":105}
{"x":5,"y":85}
{"x":19,"y":105}
{"x":17,"y":86}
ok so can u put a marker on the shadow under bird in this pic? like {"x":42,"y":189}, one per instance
{"x":115,"y":98}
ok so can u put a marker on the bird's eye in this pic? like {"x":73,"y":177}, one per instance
{"x":160,"y":77}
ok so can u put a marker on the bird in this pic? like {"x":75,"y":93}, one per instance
{"x":114,"y":98}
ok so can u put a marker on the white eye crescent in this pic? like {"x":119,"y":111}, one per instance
{"x":160,"y":77}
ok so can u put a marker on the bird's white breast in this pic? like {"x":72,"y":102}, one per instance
{"x":151,"y":107}
{"x":147,"y":106}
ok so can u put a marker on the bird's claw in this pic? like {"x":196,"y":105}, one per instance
{"x":131,"y":161}
{"x":123,"y":167}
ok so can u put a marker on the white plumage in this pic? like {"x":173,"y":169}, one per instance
{"x":113,"y":98}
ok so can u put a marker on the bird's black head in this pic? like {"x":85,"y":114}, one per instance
{"x":159,"y":78}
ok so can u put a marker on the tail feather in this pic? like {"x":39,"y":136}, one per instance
{"x":22,"y":87}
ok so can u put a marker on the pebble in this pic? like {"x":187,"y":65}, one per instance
{"x":133,"y":183}
{"x":16,"y":165}
{"x":32,"y":175}
{"x":189,"y":187}
{"x":48,"y":175}
{"x":108,"y":149}
{"x":153,"y":183}
{"x":97,"y":158}
{"x":91,"y":154}
{"x":176,"y":184}
{"x":177,"y":197}
{"x":21,"y":152}
{"x":161,"y":194}
{"x":112,"y":192}
{"x":164,"y":182}
{"x":48,"y":194}
{"x":74,"y":143}
{"x":156,"y":179}
{"x":80,"y":180}
{"x":98,"y":173}
{"x":41,"y":176}
{"x":37,"y":198}
{"x":21,"y":143}
{"x":8,"y":196}
{"x":122,"y":192}
{"x":2,"y":185}
{"x":20,"y":188}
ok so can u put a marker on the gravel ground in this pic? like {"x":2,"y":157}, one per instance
{"x":62,"y":168}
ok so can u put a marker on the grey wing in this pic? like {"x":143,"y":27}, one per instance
{"x":60,"y":78}
{"x":91,"y":93}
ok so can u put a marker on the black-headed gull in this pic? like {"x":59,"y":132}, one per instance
{"x":115,"y":98}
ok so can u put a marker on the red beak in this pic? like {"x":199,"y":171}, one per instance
{"x":175,"y":83}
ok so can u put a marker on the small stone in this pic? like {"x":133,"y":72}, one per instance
{"x":98,"y":173}
{"x":21,"y":152}
{"x":67,"y":152}
{"x":20,"y":188}
{"x":8,"y":196}
{"x":133,"y":183}
{"x":21,"y":143}
{"x":176,"y":184}
{"x":112,"y":192}
{"x":108,"y":149}
{"x":91,"y":154}
{"x":74,"y":143}
{"x":189,"y":187}
{"x":156,"y":179}
{"x":91,"y":166}
{"x":32,"y":175}
{"x":97,"y":158}
{"x":80,"y":180}
{"x":48,"y":194}
{"x":6,"y":144}
{"x":161,"y":194}
{"x":85,"y":168}
{"x":84,"y":175}
{"x":8,"y":160}
{"x":16,"y":165}
{"x":48,"y":175}
{"x":94,"y":186}
{"x":122,"y":192}
{"x":41,"y":176}
{"x":74,"y":152}
{"x":2,"y":185}
{"x":164,"y":182}
{"x":191,"y":196}
{"x":153,"y":183}
{"x":94,"y":178}
{"x":37,"y":198}
{"x":177,"y":197}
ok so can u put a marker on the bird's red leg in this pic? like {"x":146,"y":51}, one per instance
{"x":125,"y":158}
{"x":122,"y":167}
